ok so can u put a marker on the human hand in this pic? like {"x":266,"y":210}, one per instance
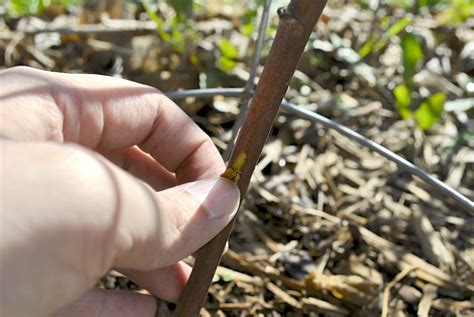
{"x":70,"y":208}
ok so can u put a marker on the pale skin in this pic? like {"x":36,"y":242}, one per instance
{"x":99,"y":173}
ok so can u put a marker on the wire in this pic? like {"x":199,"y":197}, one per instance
{"x":330,"y":124}
{"x":249,"y":85}
{"x":205,"y":93}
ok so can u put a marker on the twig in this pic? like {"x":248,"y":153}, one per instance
{"x":249,"y":85}
{"x":430,"y":292}
{"x":386,"y":292}
{"x":402,"y":163}
{"x":11,"y":47}
{"x":397,"y":256}
{"x":294,"y":29}
{"x":432,"y":246}
{"x":112,"y":26}
{"x":325,"y":308}
{"x":281,"y":294}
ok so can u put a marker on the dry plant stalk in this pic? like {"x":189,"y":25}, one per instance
{"x":295,"y":26}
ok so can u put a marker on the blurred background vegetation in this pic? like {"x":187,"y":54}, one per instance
{"x":422,"y":37}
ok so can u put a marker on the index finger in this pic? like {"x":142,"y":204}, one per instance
{"x":110,"y":113}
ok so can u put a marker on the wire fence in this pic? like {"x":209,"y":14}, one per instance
{"x":402,"y":163}
{"x":246,"y":92}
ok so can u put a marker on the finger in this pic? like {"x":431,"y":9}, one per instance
{"x":166,"y":283}
{"x":142,"y":166}
{"x":186,"y":218}
{"x":75,"y":215}
{"x":110,"y":303}
{"x":106,"y":113}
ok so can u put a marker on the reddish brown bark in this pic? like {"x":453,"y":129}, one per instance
{"x":295,"y":26}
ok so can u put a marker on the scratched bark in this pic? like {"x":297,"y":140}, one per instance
{"x":295,"y":26}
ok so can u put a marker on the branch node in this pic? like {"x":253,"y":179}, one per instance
{"x":287,"y":17}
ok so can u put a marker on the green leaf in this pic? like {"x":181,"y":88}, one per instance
{"x":228,"y":49}
{"x":398,"y":26}
{"x":412,"y":55}
{"x":456,"y":12}
{"x":364,"y":4}
{"x":177,"y":38}
{"x":229,"y":54}
{"x":372,"y":45}
{"x":226,"y":64}
{"x":228,"y":277}
{"x":367,"y":48}
{"x":422,"y":3}
{"x":430,"y":111}
{"x":183,"y":8}
{"x":403,"y":99}
{"x":247,"y":29}
{"x":19,"y":8}
{"x":215,"y":278}
{"x":406,"y":4}
{"x":393,"y":30}
{"x":153,"y":16}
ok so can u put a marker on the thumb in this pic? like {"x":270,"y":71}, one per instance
{"x":75,"y":215}
{"x":184,"y":218}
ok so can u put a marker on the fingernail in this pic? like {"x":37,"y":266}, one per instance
{"x":219,"y":196}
